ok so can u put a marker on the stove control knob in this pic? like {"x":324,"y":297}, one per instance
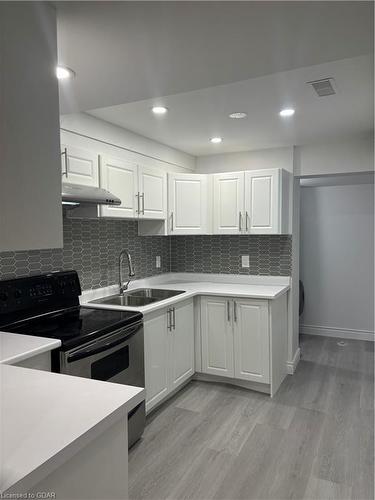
{"x":3,"y":296}
{"x":17,"y":294}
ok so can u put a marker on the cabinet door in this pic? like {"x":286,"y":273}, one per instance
{"x":120,"y":178}
{"x":217,"y":336}
{"x":152,"y":185}
{"x":182,"y":344}
{"x":262,"y":200}
{"x":187,"y":203}
{"x":79,"y":166}
{"x":156,"y":339}
{"x":228,"y":202}
{"x":251,"y":340}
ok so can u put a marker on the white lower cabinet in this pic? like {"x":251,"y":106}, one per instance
{"x":251,"y":340}
{"x":217,"y":336}
{"x":235,"y":338}
{"x":169,"y":350}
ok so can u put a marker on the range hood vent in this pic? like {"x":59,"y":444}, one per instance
{"x":324,"y":87}
{"x":77,"y":194}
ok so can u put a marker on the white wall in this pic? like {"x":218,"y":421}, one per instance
{"x":246,"y":160}
{"x":30,"y":174}
{"x":91,"y":128}
{"x":352,"y":155}
{"x":337,"y":260}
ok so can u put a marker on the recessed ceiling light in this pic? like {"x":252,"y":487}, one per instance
{"x":159,"y":110}
{"x":238,"y":115}
{"x":63,"y":73}
{"x":216,"y":140}
{"x":287,"y":112}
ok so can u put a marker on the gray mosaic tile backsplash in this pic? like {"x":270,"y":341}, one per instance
{"x":92,"y":248}
{"x":269,"y":255}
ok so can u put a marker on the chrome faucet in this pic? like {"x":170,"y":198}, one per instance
{"x":124,"y":285}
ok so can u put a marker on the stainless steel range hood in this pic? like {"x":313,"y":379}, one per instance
{"x":77,"y":194}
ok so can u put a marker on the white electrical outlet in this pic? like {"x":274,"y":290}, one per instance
{"x":158,"y":261}
{"x":245,"y":260}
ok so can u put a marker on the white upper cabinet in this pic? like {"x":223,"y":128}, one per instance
{"x":152,"y":193}
{"x":251,"y":202}
{"x":187,"y":204}
{"x":79,"y":166}
{"x":262,"y":201}
{"x":120,"y":178}
{"x":228,"y":203}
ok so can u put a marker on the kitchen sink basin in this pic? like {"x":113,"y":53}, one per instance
{"x":154,"y":293}
{"x":138,"y":298}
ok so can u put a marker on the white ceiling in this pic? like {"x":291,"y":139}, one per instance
{"x":196,"y":116}
{"x":129,"y":51}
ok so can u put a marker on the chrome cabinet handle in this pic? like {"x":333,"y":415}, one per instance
{"x":235,"y":311}
{"x":171,"y":221}
{"x":240,"y":222}
{"x":169,"y":319}
{"x":247,"y":220}
{"x":174,"y":318}
{"x":228,"y":311}
{"x":138,"y":206}
{"x":65,"y":153}
{"x":142,"y":210}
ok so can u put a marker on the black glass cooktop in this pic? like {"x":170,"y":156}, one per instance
{"x":76,"y":325}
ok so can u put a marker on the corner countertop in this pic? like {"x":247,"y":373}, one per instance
{"x":47,"y":417}
{"x":194,"y":284}
{"x":15,"y":347}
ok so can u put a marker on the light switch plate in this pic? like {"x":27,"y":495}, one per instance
{"x":245,"y":260}
{"x":158,"y":261}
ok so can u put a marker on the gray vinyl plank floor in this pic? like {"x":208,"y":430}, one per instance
{"x":314,"y":440}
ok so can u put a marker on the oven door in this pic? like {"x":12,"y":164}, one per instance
{"x":117,"y":357}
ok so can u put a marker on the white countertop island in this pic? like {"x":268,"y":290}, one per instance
{"x":15,"y":347}
{"x":46,"y":418}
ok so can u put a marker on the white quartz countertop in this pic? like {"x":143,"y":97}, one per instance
{"x":15,"y":347}
{"x":256,"y":287}
{"x":47,"y":417}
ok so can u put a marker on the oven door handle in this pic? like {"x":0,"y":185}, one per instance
{"x":99,"y":347}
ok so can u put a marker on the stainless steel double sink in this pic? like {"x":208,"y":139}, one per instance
{"x":138,"y":298}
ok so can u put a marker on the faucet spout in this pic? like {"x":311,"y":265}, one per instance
{"x":124,"y":285}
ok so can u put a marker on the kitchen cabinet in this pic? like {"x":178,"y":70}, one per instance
{"x":141,"y":189}
{"x":181,"y":344}
{"x":156,"y":339}
{"x":217,"y":336}
{"x":187,"y":204}
{"x":266,"y":201}
{"x":228,"y":203}
{"x":79,"y":166}
{"x":120,"y":178}
{"x":152,"y":193}
{"x":251,"y":340}
{"x":235,"y":338}
{"x":251,"y":202}
{"x":169,"y":350}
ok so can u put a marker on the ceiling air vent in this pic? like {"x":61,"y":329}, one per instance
{"x":324,"y":87}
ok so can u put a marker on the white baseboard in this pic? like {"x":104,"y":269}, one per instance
{"x":341,"y":333}
{"x":292,"y":365}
